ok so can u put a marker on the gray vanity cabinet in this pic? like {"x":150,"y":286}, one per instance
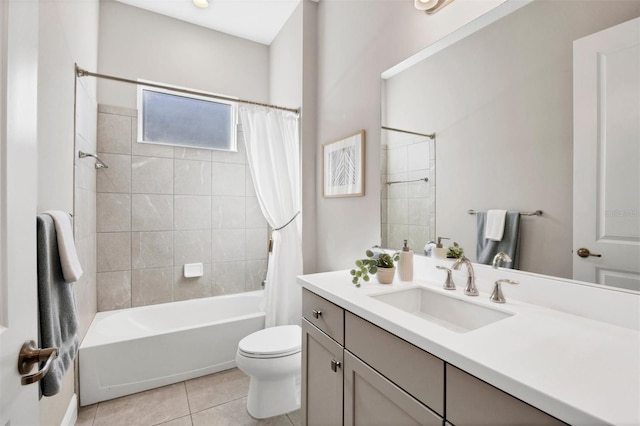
{"x":470,"y":401}
{"x":322,"y":361}
{"x":356,"y":373}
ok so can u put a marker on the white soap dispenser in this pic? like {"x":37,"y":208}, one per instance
{"x":405,"y":267}
{"x":439,"y":251}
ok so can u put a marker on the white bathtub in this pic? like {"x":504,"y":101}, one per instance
{"x":131,"y":350}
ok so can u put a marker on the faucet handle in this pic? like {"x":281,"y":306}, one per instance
{"x":448,"y":284}
{"x":496,"y":295}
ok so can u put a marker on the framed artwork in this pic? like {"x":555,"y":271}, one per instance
{"x":343,"y":166}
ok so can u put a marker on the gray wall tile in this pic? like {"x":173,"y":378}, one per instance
{"x":151,"y":249}
{"x":113,"y":212}
{"x":255,"y":218}
{"x":160,"y":207}
{"x":191,"y":288}
{"x":114,"y":133}
{"x":192,"y":177}
{"x":192,"y":212}
{"x":113,"y":251}
{"x":256,"y":244}
{"x":228,"y":245}
{"x":227,"y":277}
{"x":228,"y":212}
{"x":151,"y":175}
{"x":255,"y":273}
{"x":151,"y":212}
{"x":192,"y":247}
{"x":116,"y":178}
{"x":228,"y":179}
{"x":113,"y":290}
{"x":151,"y":286}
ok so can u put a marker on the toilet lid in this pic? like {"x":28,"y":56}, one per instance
{"x":272,"y":342}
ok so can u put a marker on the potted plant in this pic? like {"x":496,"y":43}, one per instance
{"x":380,"y":263}
{"x":455,"y":251}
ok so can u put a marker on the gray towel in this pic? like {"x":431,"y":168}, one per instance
{"x":57,"y":307}
{"x":510,"y":244}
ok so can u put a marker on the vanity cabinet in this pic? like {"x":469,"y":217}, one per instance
{"x":356,"y":373}
{"x":322,"y":361}
{"x":471,"y":401}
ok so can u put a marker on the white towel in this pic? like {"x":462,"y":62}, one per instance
{"x":71,"y":268}
{"x":494,"y":229}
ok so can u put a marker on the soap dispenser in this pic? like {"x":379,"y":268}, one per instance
{"x":439,"y":251}
{"x":406,"y":263}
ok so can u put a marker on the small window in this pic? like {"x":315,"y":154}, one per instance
{"x":173,"y":118}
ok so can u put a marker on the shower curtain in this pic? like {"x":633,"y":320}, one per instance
{"x":273,"y":152}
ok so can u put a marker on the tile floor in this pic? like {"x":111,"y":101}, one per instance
{"x":215,"y":400}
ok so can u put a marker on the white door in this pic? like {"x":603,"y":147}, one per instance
{"x":18,"y":196}
{"x":606,"y":201}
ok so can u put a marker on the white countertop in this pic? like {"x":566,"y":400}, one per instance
{"x":577,"y":369}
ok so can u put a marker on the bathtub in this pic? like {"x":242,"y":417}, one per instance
{"x":132,"y":350}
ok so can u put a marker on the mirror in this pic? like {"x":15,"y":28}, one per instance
{"x":500,"y":101}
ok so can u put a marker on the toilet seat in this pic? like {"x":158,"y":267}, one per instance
{"x":274,"y":342}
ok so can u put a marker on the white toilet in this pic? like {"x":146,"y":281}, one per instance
{"x":272,"y":360}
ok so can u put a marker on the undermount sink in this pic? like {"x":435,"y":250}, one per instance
{"x":450,"y":312}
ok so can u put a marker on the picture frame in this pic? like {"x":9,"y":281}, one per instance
{"x":343,"y":166}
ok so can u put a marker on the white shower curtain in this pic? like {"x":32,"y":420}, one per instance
{"x":273,"y":151}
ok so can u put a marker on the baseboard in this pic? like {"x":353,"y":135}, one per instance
{"x":71,"y":416}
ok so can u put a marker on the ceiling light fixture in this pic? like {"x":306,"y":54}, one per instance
{"x":430,"y":6}
{"x":203,"y":4}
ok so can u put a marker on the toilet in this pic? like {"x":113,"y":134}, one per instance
{"x":272,"y":360}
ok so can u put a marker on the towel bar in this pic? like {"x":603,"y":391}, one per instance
{"x":407,"y":181}
{"x":535,"y":213}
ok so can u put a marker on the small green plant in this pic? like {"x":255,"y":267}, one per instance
{"x":455,"y":251}
{"x":370,"y":265}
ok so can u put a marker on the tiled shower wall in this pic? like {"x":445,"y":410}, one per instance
{"x":160,"y":207}
{"x":408,"y":209}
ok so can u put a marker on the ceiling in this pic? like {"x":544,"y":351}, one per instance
{"x":255,"y":20}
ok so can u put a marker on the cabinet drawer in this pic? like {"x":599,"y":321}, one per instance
{"x":324,"y":315}
{"x":419,"y":373}
{"x":470,"y":401}
{"x":370,"y":399}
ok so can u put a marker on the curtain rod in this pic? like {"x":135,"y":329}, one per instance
{"x":429,"y":135}
{"x":84,"y":73}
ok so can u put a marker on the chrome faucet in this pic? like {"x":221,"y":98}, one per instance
{"x":500,"y":258}
{"x":470,"y":289}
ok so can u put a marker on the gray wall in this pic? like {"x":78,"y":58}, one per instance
{"x":68,"y":34}
{"x":135,"y":43}
{"x":501,"y":104}
{"x":357,"y":41}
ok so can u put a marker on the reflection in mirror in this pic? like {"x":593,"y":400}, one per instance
{"x":408,"y":188}
{"x":501,"y":101}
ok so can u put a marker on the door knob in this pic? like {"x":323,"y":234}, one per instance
{"x":584,"y":252}
{"x":335,"y":364}
{"x":30,"y":355}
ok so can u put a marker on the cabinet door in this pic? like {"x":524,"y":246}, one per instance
{"x":322,"y":362}
{"x":370,"y":399}
{"x":470,"y":401}
{"x":417,"y":372}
